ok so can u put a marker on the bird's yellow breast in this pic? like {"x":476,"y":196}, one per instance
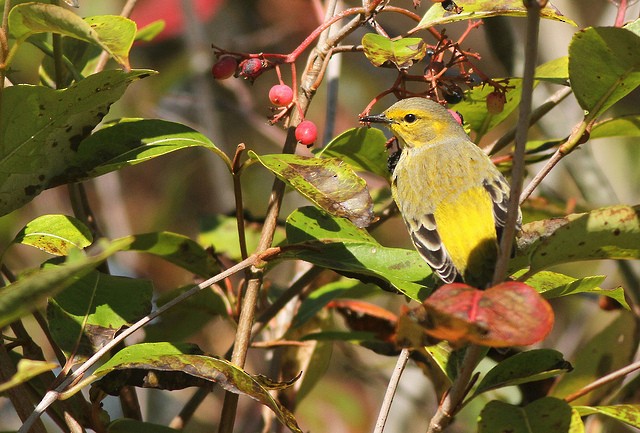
{"x":446,"y":181}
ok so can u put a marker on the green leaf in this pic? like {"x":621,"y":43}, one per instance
{"x":554,"y":285}
{"x":334,"y":243}
{"x":604,"y":66}
{"x":633,"y":26}
{"x":474,"y":106}
{"x":623,"y":126}
{"x":544,"y":415}
{"x":177,"y":249}
{"x":554,"y":71}
{"x":150,"y":31}
{"x":605,"y":233}
{"x":320,"y":297}
{"x":401,"y":53}
{"x":478,"y":9}
{"x":116,"y":33}
{"x":27,"y":369}
{"x":627,"y":413}
{"x":200,"y":308}
{"x":327,"y":182}
{"x":175,"y":366}
{"x":220,"y":232}
{"x":127,"y":142}
{"x":609,"y":350}
{"x":27,"y":294}
{"x":112,"y":33}
{"x":524,"y":367}
{"x":362,"y":148}
{"x":55,"y":234}
{"x":89,"y":313}
{"x":41,"y":130}
{"x":577,"y":426}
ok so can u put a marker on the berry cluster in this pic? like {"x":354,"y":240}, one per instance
{"x":281,"y":95}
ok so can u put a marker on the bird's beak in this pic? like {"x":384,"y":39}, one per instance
{"x":378,"y":118}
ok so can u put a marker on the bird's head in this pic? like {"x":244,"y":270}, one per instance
{"x":417,"y":122}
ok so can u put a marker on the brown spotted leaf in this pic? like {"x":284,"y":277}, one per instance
{"x":41,"y":130}
{"x":509,"y":314}
{"x":329,"y":183}
{"x":55,"y":234}
{"x":605,"y":233}
{"x":477,"y":9}
{"x":402,"y":53}
{"x":177,"y":366}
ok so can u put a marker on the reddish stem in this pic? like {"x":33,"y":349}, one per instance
{"x":622,"y":11}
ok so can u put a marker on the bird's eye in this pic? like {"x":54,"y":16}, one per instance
{"x":410,"y":118}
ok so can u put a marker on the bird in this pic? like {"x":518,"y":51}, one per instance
{"x":453,"y":199}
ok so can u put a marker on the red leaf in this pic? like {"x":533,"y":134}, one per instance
{"x":509,"y":314}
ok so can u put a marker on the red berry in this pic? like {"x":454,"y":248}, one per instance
{"x":252,"y":68}
{"x":281,"y":95}
{"x":224,"y":68}
{"x":306,"y":132}
{"x":495,"y":102}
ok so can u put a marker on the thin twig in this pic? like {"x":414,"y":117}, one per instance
{"x":261,"y":322}
{"x":52,"y":395}
{"x":237,"y":190}
{"x":245,"y":322}
{"x":518,"y":167}
{"x":622,"y":11}
{"x":551,"y":102}
{"x":104,"y":56}
{"x":615,"y":375}
{"x":401,"y":363}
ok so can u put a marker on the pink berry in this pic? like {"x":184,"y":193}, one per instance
{"x":224,"y":68}
{"x":306,"y":132}
{"x":281,"y":95}
{"x":495,"y":102}
{"x":456,"y":116}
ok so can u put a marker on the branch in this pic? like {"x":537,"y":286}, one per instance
{"x":401,"y":363}
{"x":310,"y":76}
{"x":52,"y":395}
{"x":615,"y":375}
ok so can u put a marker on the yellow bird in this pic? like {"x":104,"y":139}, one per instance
{"x":451,"y":196}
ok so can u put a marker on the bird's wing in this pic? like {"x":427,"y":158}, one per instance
{"x":425,"y":237}
{"x":498,"y":189}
